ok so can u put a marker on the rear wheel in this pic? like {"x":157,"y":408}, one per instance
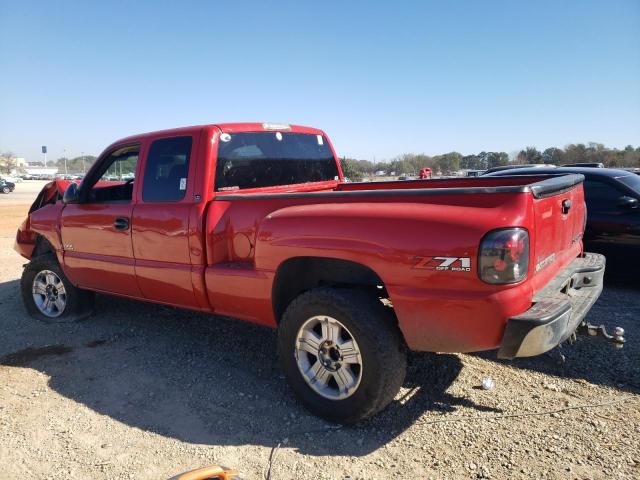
{"x":48,"y":295}
{"x":6,"y":189}
{"x":342,"y":353}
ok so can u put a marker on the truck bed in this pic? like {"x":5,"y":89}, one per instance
{"x":389,"y":227}
{"x":538,"y":185}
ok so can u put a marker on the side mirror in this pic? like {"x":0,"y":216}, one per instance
{"x":628,"y":203}
{"x":71,"y":194}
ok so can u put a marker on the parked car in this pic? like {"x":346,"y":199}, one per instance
{"x":6,"y":186}
{"x":425,"y":173}
{"x":613,"y":203}
{"x":254,"y":221}
{"x":11,"y":179}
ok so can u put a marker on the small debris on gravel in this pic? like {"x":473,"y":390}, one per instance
{"x":487,"y":383}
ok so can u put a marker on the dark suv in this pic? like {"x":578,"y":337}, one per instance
{"x":6,"y":187}
{"x":613,"y":203}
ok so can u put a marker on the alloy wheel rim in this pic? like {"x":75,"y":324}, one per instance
{"x":328,"y":357}
{"x":49,"y":293}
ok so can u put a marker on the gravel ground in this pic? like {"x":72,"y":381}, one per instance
{"x":144,"y":391}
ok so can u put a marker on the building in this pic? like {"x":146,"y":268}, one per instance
{"x":12,"y":164}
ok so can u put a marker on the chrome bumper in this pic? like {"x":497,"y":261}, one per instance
{"x":558,"y":309}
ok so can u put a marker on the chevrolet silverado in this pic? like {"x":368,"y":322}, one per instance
{"x":255,"y":221}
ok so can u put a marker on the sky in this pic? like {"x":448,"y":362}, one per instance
{"x":381,"y":78}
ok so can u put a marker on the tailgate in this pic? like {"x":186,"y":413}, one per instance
{"x":559,"y":218}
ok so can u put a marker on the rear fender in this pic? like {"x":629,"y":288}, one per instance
{"x":318,"y":231}
{"x":438,"y":309}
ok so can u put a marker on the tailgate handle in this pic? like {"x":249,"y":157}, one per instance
{"x":566,"y":205}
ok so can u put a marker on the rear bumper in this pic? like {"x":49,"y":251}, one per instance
{"x":557,"y":309}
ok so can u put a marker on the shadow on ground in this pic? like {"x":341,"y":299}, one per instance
{"x":623,"y":265}
{"x":211,"y":380}
{"x":593,"y":359}
{"x":204,"y":379}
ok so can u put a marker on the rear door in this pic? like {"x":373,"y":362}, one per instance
{"x":96,"y":233}
{"x":609,"y":220}
{"x":161,"y":221}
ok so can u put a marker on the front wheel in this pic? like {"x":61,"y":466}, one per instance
{"x":342,"y":353}
{"x":6,"y":190}
{"x":49,"y":296}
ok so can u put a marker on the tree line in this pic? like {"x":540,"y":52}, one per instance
{"x":449,"y":163}
{"x":411,"y":163}
{"x":75,"y":165}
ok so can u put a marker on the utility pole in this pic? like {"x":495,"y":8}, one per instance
{"x":83,"y":170}
{"x":66,"y":172}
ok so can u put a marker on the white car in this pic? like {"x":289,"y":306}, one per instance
{"x":12,"y":179}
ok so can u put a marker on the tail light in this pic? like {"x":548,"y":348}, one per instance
{"x":504,"y":256}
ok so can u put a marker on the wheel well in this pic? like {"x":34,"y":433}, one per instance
{"x":42,"y":246}
{"x":299,"y":274}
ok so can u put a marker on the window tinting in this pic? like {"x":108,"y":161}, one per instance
{"x":600,"y":196}
{"x":165,"y":175}
{"x":266,"y":159}
{"x":631,"y":181}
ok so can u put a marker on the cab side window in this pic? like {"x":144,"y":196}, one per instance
{"x":165,"y":174}
{"x":113,"y":181}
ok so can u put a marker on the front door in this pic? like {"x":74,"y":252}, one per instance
{"x":96,"y":233}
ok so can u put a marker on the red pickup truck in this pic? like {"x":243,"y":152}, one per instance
{"x":254,"y":221}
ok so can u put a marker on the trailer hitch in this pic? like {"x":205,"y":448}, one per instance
{"x":617,"y":338}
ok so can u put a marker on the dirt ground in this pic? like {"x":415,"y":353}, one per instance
{"x":146,"y":392}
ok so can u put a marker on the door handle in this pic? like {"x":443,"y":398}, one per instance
{"x":121,"y":223}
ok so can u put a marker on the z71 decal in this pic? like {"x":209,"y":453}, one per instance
{"x":454,"y":264}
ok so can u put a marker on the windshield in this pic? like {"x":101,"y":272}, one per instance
{"x":267,"y":159}
{"x":631,"y":181}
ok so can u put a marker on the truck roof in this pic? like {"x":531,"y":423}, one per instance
{"x":587,"y":171}
{"x":225,"y":127}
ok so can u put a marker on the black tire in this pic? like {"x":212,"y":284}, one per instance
{"x":79,"y":303}
{"x":6,"y":190}
{"x":383,"y":352}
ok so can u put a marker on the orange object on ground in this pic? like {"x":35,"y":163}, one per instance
{"x":213,"y":472}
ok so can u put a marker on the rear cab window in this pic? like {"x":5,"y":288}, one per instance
{"x":267,"y":159}
{"x":166,"y":170}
